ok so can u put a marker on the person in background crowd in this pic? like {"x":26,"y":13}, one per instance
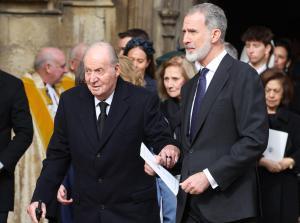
{"x":124,"y":37}
{"x":75,"y":62}
{"x":283,"y":55}
{"x":171,"y":76}
{"x":43,"y":88}
{"x":76,"y":56}
{"x":279,"y":185}
{"x":141,"y":52}
{"x":76,"y":70}
{"x":258,"y":44}
{"x":129,"y":73}
{"x":231,"y":50}
{"x":14,"y":116}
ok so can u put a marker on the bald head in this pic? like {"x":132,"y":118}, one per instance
{"x":102,"y":50}
{"x":76,"y":56}
{"x":50,"y":64}
{"x":47,"y":54}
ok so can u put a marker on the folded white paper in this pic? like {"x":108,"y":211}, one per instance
{"x":165,"y":175}
{"x":276,"y":145}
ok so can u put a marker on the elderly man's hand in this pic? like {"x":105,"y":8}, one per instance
{"x":170,"y":155}
{"x":149,"y":170}
{"x":31,"y":211}
{"x":62,"y":196}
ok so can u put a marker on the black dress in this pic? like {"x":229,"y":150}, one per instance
{"x":279,"y":191}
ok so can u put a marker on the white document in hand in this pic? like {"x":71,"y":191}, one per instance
{"x":168,"y":178}
{"x":276,"y":145}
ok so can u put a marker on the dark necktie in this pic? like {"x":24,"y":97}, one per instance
{"x":197,"y":102}
{"x":101,"y":118}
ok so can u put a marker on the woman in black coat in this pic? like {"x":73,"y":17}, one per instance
{"x":170,"y":78}
{"x":279,"y":185}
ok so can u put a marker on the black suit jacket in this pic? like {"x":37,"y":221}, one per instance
{"x":232,"y":133}
{"x":110,"y":182}
{"x":14,"y":115}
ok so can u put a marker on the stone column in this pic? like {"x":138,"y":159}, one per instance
{"x":169,"y":18}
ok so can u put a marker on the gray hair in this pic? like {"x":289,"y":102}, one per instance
{"x":214,"y":17}
{"x":78,"y":51}
{"x":112,"y":53}
{"x":231,"y":50}
{"x":46,"y":55}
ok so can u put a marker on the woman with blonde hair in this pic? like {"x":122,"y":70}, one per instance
{"x":129,"y":73}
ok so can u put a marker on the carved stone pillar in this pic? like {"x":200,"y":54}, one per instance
{"x":169,"y":18}
{"x":28,"y":25}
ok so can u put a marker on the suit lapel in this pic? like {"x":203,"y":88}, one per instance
{"x":220,"y":77}
{"x":88,"y":116}
{"x":190,"y":91}
{"x":117,"y":111}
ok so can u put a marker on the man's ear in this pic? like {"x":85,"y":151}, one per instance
{"x":268,"y":49}
{"x":215,"y":35}
{"x":117,"y":69}
{"x":47,"y":67}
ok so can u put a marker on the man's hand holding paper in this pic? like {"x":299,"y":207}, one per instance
{"x":152,"y":166}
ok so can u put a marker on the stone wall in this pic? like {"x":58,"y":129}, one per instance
{"x":28,"y":25}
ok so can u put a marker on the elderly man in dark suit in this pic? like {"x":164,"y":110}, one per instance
{"x":14,"y":115}
{"x":225,"y":127}
{"x":110,"y":182}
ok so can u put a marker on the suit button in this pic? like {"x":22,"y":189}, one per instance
{"x":191,"y":151}
{"x":100,"y":180}
{"x":98,"y":155}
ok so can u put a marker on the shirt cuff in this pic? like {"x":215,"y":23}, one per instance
{"x":1,"y":165}
{"x":211,"y":180}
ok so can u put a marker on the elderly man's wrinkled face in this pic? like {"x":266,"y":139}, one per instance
{"x":56,"y":69}
{"x":100,"y":74}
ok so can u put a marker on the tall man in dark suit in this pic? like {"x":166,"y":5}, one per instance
{"x":14,"y":115}
{"x":225,"y":126}
{"x":110,"y":184}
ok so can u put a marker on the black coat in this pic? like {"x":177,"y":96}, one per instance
{"x":280,"y":190}
{"x":14,"y":115}
{"x":171,"y":111}
{"x":110,"y":184}
{"x":231,"y":134}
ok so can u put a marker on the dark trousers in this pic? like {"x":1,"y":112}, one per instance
{"x":3,"y":217}
{"x":190,"y":219}
{"x":194,"y":216}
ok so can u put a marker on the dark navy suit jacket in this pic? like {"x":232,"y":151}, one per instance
{"x":110,"y":184}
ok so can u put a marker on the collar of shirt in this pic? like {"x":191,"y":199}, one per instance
{"x":108,"y":101}
{"x":261,"y":69}
{"x":52,"y":94}
{"x":213,"y":66}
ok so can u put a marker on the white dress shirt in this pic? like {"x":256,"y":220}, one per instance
{"x":54,"y":98}
{"x":108,"y":101}
{"x":212,"y":66}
